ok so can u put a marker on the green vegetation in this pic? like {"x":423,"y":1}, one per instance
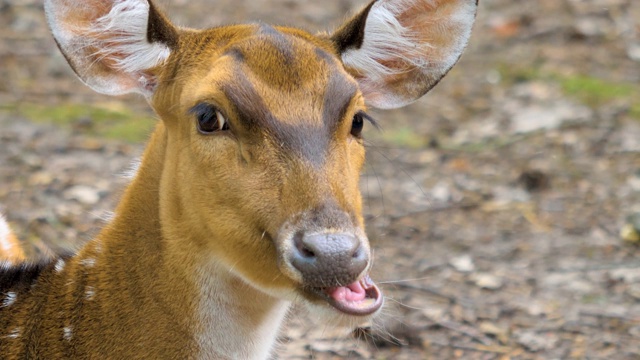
{"x":103,"y":120}
{"x":511,"y":74}
{"x":594,"y":91}
{"x":635,"y":110}
{"x":402,"y":137}
{"x":488,"y":144}
{"x":587,"y":89}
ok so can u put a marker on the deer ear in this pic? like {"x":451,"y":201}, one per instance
{"x":399,"y":49}
{"x":112,"y":45}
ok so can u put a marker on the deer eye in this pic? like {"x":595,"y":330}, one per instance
{"x":357,"y":124}
{"x":209,"y":119}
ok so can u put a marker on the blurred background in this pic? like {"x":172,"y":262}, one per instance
{"x":503,"y":207}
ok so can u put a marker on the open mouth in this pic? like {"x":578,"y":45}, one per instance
{"x":360,"y":298}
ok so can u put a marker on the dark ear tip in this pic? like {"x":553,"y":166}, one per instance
{"x":160,"y":29}
{"x":351,"y":34}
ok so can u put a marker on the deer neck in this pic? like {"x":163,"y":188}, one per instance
{"x":225,"y":316}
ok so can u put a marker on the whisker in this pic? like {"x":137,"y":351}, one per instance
{"x":405,"y":280}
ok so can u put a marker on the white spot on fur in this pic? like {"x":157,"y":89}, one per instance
{"x":5,"y":231}
{"x":10,"y":299}
{"x":60,"y":265}
{"x":89,"y":292}
{"x":15,"y":333}
{"x":131,"y":172}
{"x":88,"y":262}
{"x":67,"y":333}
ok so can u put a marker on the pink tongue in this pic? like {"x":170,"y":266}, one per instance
{"x":351,"y":293}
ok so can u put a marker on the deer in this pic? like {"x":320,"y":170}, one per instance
{"x":247,"y":197}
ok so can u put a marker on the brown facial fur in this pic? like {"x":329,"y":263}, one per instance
{"x":285,"y":154}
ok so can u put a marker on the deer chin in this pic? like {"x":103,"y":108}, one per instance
{"x":361,"y":298}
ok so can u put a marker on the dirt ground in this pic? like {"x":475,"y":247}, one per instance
{"x":494,"y":204}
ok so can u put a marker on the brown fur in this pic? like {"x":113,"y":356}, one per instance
{"x":206,"y":206}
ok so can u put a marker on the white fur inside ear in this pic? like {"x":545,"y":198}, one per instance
{"x":385,"y":39}
{"x":116,"y":41}
{"x":122,"y":35}
{"x":401,"y":36}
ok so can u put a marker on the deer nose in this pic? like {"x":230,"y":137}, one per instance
{"x":329,"y":259}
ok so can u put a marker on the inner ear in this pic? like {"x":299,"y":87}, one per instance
{"x":112,"y":45}
{"x":399,"y":49}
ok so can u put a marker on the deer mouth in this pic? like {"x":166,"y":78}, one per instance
{"x":361,"y":298}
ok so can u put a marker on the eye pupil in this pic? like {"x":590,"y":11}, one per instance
{"x":210,"y":120}
{"x":357,"y":125}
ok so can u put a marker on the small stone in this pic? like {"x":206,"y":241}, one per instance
{"x":547,"y":117}
{"x":434,"y":313}
{"x":510,"y":195}
{"x":628,"y":137}
{"x":631,"y":230}
{"x":534,"y":308}
{"x":590,"y":27}
{"x":628,"y":276}
{"x":83,"y":194}
{"x":535,"y":342}
{"x":441,"y":193}
{"x":487,"y":281}
{"x":574,"y":282}
{"x":89,"y":144}
{"x":629,"y":233}
{"x":494,"y":330}
{"x":634,"y":291}
{"x":463,"y":264}
{"x":33,"y":161}
{"x":634,"y":52}
{"x":41,"y":178}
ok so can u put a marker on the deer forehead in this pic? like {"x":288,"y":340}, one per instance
{"x":268,"y":74}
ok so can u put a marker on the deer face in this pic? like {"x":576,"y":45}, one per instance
{"x":267,"y":133}
{"x":264,"y":128}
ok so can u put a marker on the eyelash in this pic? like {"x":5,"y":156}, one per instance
{"x":358,"y":123}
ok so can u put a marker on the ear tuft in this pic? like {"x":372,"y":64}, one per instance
{"x":124,"y":32}
{"x":399,"y":49}
{"x":112,"y":44}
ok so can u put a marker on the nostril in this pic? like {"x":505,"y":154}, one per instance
{"x":302,"y":246}
{"x":306,"y":252}
{"x":357,"y":253}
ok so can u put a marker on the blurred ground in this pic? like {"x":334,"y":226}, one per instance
{"x":494,"y":204}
